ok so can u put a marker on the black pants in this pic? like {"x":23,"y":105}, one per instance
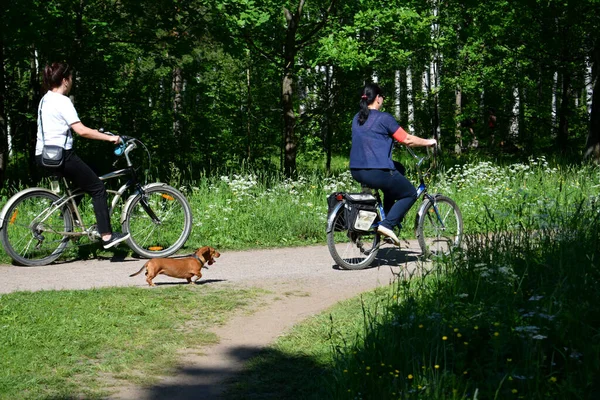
{"x":81,"y":175}
{"x":398,"y":193}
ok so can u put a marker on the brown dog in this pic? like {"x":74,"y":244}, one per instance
{"x":180,"y":267}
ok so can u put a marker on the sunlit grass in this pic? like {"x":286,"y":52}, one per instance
{"x":512,"y":315}
{"x":76,"y":344}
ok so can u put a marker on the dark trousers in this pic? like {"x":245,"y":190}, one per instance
{"x":82,"y":176}
{"x":398,"y":193}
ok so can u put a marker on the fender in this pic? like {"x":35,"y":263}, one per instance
{"x":332,"y":216}
{"x":125,"y":210}
{"x":14,"y":198}
{"x":426,"y":200}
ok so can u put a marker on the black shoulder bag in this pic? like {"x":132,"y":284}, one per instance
{"x":52,"y":156}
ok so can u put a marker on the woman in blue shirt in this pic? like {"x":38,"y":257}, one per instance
{"x":373,"y":136}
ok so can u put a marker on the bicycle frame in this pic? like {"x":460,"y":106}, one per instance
{"x":421,"y":193}
{"x":69,"y":199}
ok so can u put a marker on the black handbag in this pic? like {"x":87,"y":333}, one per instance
{"x":52,"y":156}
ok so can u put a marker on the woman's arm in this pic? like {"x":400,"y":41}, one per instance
{"x":403,"y":137}
{"x":415,"y":141}
{"x":89,"y":133}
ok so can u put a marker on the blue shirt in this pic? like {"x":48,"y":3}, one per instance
{"x":372,"y":142}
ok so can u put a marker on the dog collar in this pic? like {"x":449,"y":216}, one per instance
{"x":201,"y":259}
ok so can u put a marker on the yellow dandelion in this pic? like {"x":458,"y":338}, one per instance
{"x":437,"y":366}
{"x":367,"y":374}
{"x":476,"y":327}
{"x":368,"y":368}
{"x":383,"y":364}
{"x":515,"y":391}
{"x":510,"y":378}
{"x":465,"y":372}
{"x":345,"y":371}
{"x":509,"y":360}
{"x":553,"y":379}
{"x":496,"y":334}
{"x":420,"y":325}
{"x":396,"y":371}
{"x":410,"y":376}
{"x":395,"y":376}
{"x":444,"y":337}
{"x":459,"y":335}
{"x":466,"y":343}
{"x":455,"y":329}
{"x":496,"y":323}
{"x":420,"y":387}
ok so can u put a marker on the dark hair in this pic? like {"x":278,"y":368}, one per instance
{"x":55,"y":73}
{"x":368,"y":96}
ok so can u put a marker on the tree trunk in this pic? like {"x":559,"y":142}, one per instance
{"x":592,"y":147}
{"x":177,"y":104}
{"x":457,"y":112}
{"x":289,"y":121}
{"x":327,"y":113}
{"x":563,"y":122}
{"x":3,"y":130}
{"x":287,"y":91}
{"x":248,"y":115}
{"x":34,"y":100}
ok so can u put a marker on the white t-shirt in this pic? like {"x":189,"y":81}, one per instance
{"x":58,"y":114}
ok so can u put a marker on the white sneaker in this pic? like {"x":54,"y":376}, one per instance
{"x":389,"y":233}
{"x":115,"y":239}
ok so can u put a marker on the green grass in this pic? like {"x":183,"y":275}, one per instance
{"x":522,"y":296}
{"x":75,"y":344}
{"x":514,"y":315}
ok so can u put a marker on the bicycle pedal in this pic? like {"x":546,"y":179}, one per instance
{"x":388,"y":240}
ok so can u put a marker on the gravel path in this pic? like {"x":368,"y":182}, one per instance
{"x":303,"y":280}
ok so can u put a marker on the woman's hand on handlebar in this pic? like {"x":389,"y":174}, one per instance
{"x":432,"y":142}
{"x":114,"y":139}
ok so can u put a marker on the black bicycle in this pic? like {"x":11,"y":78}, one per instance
{"x":37,"y":224}
{"x":353,"y":219}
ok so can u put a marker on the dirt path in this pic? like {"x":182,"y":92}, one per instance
{"x":304,"y":281}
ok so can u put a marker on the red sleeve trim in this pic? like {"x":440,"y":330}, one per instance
{"x":400,"y":135}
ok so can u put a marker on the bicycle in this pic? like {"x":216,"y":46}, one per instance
{"x":36,"y":224}
{"x":352,"y":236}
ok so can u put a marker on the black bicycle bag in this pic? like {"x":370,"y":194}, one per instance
{"x":361,"y":211}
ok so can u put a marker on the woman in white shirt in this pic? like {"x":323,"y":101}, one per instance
{"x":58,"y":118}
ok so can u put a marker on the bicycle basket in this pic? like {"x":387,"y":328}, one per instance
{"x":361,"y":211}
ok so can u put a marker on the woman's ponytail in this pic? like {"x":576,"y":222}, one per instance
{"x":369,"y":94}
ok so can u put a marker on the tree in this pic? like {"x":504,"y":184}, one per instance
{"x":281,"y":41}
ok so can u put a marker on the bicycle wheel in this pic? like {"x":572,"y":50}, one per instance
{"x":351,"y":250}
{"x":438,"y":233}
{"x":29,"y":235}
{"x":168,"y":233}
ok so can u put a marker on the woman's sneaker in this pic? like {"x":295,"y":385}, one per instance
{"x":388,"y":233}
{"x":115,"y":239}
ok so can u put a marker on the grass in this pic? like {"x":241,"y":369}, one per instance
{"x":74,"y":344}
{"x":514,"y":315}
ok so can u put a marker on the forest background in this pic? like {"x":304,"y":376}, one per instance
{"x":273,"y":84}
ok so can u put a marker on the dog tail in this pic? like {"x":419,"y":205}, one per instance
{"x":141,"y":269}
